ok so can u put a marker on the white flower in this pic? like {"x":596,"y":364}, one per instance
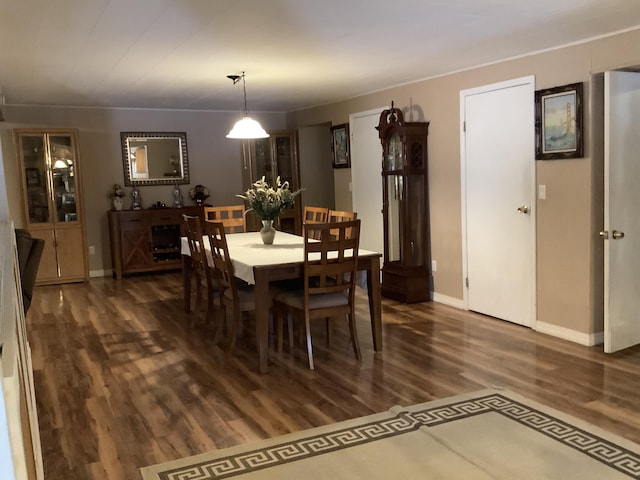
{"x":267,"y":202}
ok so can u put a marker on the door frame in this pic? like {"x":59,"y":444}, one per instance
{"x":527,"y":80}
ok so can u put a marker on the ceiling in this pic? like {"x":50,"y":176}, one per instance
{"x":296,"y":53}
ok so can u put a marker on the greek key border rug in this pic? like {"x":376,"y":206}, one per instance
{"x":490,"y":434}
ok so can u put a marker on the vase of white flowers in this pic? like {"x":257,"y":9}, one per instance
{"x":268,"y":203}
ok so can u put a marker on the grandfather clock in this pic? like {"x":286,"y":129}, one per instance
{"x":405,"y":274}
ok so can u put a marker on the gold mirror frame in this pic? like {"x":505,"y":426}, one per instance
{"x":154,"y":158}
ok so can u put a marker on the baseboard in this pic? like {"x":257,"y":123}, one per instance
{"x":99,"y":273}
{"x":586,"y":339}
{"x":446,"y":300}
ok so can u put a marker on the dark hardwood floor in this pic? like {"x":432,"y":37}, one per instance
{"x":123,"y":382}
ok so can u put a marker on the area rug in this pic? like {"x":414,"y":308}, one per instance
{"x":490,"y":434}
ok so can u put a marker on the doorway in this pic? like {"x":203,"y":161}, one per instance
{"x":366,"y":170}
{"x":498,"y":185}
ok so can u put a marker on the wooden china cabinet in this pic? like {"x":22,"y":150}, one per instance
{"x":405,"y":274}
{"x":52,"y":199}
{"x":273,"y":157}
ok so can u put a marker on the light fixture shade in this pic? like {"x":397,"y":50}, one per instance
{"x":247,"y":128}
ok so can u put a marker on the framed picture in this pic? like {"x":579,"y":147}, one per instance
{"x":340,"y":146}
{"x":33,"y":177}
{"x":559,"y":122}
{"x":68,"y":198}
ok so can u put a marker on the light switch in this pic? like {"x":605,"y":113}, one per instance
{"x":542,"y":192}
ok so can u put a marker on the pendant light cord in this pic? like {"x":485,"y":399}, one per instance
{"x":244,"y":89}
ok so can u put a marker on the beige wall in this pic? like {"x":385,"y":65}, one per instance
{"x":569,"y":251}
{"x":213,"y":159}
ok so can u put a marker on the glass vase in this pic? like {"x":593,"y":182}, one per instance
{"x":267,"y":232}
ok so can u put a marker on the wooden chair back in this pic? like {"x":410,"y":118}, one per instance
{"x":314,"y":215}
{"x":199,"y":262}
{"x":330,"y":264}
{"x":216,"y":234}
{"x":340,"y":216}
{"x":239,"y":300}
{"x":232,"y":216}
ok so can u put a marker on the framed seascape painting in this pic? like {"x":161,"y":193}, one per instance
{"x":559,"y":122}
{"x":340,"y":146}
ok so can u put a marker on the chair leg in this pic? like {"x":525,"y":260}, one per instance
{"x":277,"y":314}
{"x":196,"y":310}
{"x":222,"y":323}
{"x":237,"y":318}
{"x":354,"y":335}
{"x":290,"y":330}
{"x":307,"y":328}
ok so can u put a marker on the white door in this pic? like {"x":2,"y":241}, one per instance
{"x":622,"y":198}
{"x":366,"y":177}
{"x":498,"y":172}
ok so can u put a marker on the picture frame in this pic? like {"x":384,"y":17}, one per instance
{"x":32,"y":177}
{"x":558,"y":122}
{"x":340,"y":146}
{"x":68,"y":199}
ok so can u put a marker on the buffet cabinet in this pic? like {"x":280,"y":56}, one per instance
{"x":147,"y":240}
{"x":273,"y":157}
{"x":52,"y":201}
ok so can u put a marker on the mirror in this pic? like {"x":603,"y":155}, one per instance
{"x":157,"y":158}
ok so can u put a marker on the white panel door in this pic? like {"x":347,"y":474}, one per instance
{"x":622,"y":198}
{"x":366,"y":177}
{"x":498,"y":189}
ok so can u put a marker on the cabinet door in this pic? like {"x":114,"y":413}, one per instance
{"x":285,"y":164}
{"x":135,"y":239}
{"x":34,"y":161}
{"x":48,"y":267}
{"x":285,"y":159}
{"x":70,"y":252}
{"x":62,"y":155}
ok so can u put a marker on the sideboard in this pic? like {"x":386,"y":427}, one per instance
{"x":147,"y":240}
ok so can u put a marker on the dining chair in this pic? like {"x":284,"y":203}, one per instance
{"x":340,"y":216}
{"x":314,"y":215}
{"x":232,"y":216}
{"x":236,"y":296}
{"x":205,"y":276}
{"x":328,"y":290}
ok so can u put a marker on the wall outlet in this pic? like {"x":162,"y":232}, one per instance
{"x":434,"y":266}
{"x":92,"y":250}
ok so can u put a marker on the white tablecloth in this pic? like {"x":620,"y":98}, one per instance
{"x":247,"y":251}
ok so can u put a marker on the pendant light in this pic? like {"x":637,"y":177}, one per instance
{"x":247,"y":127}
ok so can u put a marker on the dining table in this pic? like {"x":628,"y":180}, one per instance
{"x":259,"y":265}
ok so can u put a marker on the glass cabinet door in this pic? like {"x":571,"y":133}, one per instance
{"x":62,"y":158}
{"x":263,"y":161}
{"x":36,"y":178}
{"x":393,"y":163}
{"x":284,"y":160}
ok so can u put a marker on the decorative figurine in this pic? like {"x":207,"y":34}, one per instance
{"x":136,"y":204}
{"x":177,"y":197}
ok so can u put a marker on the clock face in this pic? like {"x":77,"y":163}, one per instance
{"x":394,"y":153}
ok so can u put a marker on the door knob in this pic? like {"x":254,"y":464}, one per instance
{"x":604,"y":234}
{"x":616,"y":234}
{"x":523,"y":209}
